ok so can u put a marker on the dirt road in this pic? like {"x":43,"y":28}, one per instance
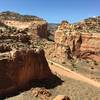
{"x":55,"y":67}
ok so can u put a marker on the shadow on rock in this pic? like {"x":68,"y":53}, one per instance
{"x":50,"y":83}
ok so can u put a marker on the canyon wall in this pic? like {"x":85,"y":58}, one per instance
{"x":20,"y":60}
{"x":19,"y":67}
{"x":77,"y":42}
{"x":90,"y":41}
{"x":35,"y":28}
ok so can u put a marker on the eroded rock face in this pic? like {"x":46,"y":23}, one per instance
{"x":78,"y":42}
{"x":89,"y":25}
{"x":34,"y":25}
{"x":39,"y":30}
{"x":36,"y":28}
{"x":70,"y":40}
{"x":20,"y":60}
{"x":19,"y":67}
{"x":91,"y":42}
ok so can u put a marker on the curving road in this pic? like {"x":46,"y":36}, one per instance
{"x":55,"y":67}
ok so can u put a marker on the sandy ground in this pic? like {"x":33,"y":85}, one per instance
{"x":59,"y":69}
{"x":96,"y":58}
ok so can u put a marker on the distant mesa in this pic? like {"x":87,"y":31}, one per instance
{"x":18,"y":17}
{"x":33,"y":24}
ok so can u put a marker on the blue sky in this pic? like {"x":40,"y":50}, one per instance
{"x":54,"y":11}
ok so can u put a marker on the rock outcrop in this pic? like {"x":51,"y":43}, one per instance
{"x":19,"y":67}
{"x":69,"y":39}
{"x":42,"y":93}
{"x":34,"y":25}
{"x":20,"y":60}
{"x":76,"y":42}
{"x":89,"y":25}
{"x":91,"y":42}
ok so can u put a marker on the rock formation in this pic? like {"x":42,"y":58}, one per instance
{"x":69,"y":39}
{"x":42,"y":93}
{"x":89,"y":25}
{"x":20,"y":60}
{"x":34,"y":25}
{"x":91,"y":42}
{"x":20,"y":67}
{"x":78,"y":42}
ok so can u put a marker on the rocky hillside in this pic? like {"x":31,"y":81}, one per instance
{"x":34,"y":25}
{"x":20,"y":59}
{"x":89,"y":25}
{"x":18,"y":17}
{"x":70,"y":43}
{"x":66,"y":32}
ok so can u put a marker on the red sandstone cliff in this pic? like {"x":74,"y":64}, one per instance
{"x":19,"y":67}
{"x":20,"y":60}
{"x":39,"y":29}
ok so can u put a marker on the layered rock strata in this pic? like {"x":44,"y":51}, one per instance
{"x":77,"y":42}
{"x":20,"y":60}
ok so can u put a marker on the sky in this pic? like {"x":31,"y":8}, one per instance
{"x":54,"y":11}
